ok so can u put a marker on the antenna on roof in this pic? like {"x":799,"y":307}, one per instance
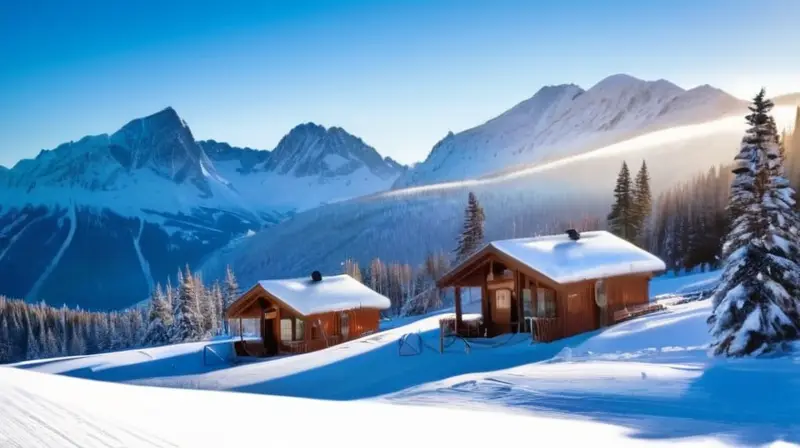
{"x":573,"y":234}
{"x":316,"y":276}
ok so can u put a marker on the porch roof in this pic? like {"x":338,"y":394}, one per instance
{"x":595,"y":255}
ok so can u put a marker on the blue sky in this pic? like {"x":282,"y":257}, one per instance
{"x":399,"y":74}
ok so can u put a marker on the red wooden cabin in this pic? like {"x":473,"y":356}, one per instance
{"x":303,"y":314}
{"x":553,"y":286}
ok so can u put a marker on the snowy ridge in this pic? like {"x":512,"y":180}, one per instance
{"x":559,"y":121}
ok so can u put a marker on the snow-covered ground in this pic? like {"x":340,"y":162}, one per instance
{"x":646,"y":380}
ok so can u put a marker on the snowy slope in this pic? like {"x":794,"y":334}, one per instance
{"x":125,"y":210}
{"x":546,"y":198}
{"x":38,"y":410}
{"x":650,"y":378}
{"x":562,"y":120}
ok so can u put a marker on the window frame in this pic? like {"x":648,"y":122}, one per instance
{"x":503,"y":302}
{"x":546,"y":302}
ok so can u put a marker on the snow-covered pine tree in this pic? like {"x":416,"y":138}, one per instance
{"x":159,"y":320}
{"x":188,"y":322}
{"x":5,"y":340}
{"x":219,"y":313}
{"x":230,"y":292}
{"x":208,"y":318}
{"x":642,"y":204}
{"x":622,"y":219}
{"x":471,"y":237}
{"x":752,"y":312}
{"x":352,"y":269}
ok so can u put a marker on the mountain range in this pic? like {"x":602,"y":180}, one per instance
{"x":678,"y":133}
{"x":563,"y":120}
{"x":98,"y":222}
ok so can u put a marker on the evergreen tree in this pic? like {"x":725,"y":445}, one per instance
{"x":753,"y":312}
{"x":471,"y":237}
{"x":230,"y":292}
{"x":5,"y":340}
{"x":159,"y":320}
{"x":352,"y":269}
{"x":219,"y":307}
{"x":188,"y":322}
{"x":77,"y":345}
{"x":642,"y":203}
{"x":622,"y":219}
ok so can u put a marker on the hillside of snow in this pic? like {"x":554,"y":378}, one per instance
{"x":403,"y":225}
{"x":123,"y":211}
{"x":646,"y":380}
{"x":560,"y":121}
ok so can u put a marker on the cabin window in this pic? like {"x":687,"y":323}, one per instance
{"x":286,"y":330}
{"x":527,"y":303}
{"x":503,"y":299}
{"x":600,"y":294}
{"x":545,"y":302}
{"x":247,"y":328}
{"x":299,"y":330}
{"x":344,"y":325}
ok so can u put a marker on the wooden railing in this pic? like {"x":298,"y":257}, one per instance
{"x":470,"y":328}
{"x":545,"y":329}
{"x":632,"y":311}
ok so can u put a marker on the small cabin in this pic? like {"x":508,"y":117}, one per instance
{"x":553,"y":286}
{"x":301,"y":315}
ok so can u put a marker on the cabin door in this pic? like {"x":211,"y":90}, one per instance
{"x":268,"y":335}
{"x":501,"y":310}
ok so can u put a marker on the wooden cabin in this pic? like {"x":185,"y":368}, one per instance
{"x":303,"y":314}
{"x":553,"y":286}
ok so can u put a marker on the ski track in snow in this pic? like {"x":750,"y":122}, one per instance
{"x":143,"y":264}
{"x":73,"y":224}
{"x":19,"y":234}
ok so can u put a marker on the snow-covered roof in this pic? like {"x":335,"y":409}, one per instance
{"x":597,"y":254}
{"x":335,"y":293}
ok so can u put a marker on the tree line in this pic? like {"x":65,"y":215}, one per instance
{"x":191,"y":311}
{"x":689,"y":221}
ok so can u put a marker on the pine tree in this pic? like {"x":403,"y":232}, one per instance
{"x":5,"y":340}
{"x":622,"y":219}
{"x":471,"y":237}
{"x":753,"y":313}
{"x":219,"y":307}
{"x":159,"y":320}
{"x":32,"y":345}
{"x":230,"y":292}
{"x":352,"y":269}
{"x":208,"y":318}
{"x":642,"y":203}
{"x":188,"y":322}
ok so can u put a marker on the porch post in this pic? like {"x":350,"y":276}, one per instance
{"x":458,"y":308}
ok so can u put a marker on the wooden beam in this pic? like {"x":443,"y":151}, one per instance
{"x":458,"y":308}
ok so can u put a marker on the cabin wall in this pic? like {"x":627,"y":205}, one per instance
{"x":580,"y":312}
{"x":628,"y":290}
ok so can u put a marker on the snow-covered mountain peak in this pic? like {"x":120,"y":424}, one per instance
{"x":562,"y":120}
{"x":310,"y":149}
{"x":162,"y":142}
